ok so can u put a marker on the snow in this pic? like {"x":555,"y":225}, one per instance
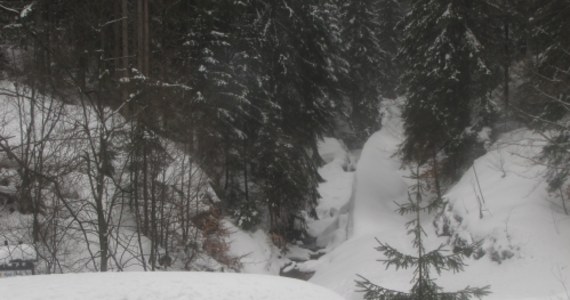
{"x":257,"y":254}
{"x":77,"y":250}
{"x":519,"y":219}
{"x":161,"y":286}
{"x":501,"y":201}
{"x":332,"y":226}
{"x":526,"y":236}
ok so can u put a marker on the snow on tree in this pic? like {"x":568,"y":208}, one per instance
{"x":446,"y":81}
{"x":370,"y":44}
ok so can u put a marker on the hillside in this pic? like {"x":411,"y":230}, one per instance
{"x":525,"y":233}
{"x":383,"y":149}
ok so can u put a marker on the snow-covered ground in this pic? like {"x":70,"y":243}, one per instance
{"x":161,"y":286}
{"x":66,"y":138}
{"x":501,"y":201}
{"x":258,"y":254}
{"x":526,"y":236}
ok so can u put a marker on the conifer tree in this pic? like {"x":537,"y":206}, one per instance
{"x":424,"y":262}
{"x":446,"y":82}
{"x":370,"y":46}
{"x":295,"y":80}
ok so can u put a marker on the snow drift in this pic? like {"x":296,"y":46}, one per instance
{"x":161,"y":286}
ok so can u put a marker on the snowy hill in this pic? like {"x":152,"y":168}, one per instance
{"x":526,"y":236}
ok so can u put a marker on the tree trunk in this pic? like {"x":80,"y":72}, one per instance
{"x":140,"y":35}
{"x":99,"y":198}
{"x":146,"y":41}
{"x":125,"y":46}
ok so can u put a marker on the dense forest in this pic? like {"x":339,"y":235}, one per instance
{"x":186,"y":112}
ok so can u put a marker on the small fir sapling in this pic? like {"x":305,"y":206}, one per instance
{"x":424,"y":264}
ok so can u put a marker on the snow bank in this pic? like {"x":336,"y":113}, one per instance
{"x":526,"y":237}
{"x":331,"y":227}
{"x":503,"y":202}
{"x":161,"y":286}
{"x":255,"y":250}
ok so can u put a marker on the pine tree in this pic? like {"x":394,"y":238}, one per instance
{"x":370,"y":46}
{"x":446,"y":83}
{"x":424,"y":263}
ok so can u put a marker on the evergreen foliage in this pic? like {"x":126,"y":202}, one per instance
{"x":424,"y":263}
{"x":370,"y":45}
{"x":296,"y":79}
{"x":245,"y":87}
{"x":446,"y":81}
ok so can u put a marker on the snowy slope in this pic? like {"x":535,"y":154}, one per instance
{"x":526,"y":238}
{"x":73,"y":136}
{"x":161,"y":286}
{"x":526,"y":235}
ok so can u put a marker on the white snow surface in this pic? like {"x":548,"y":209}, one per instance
{"x":161,"y":286}
{"x":526,"y":236}
{"x":333,"y":224}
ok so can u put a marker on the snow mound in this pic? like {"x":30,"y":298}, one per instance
{"x":256,"y":252}
{"x":331,"y":226}
{"x":502,"y":200}
{"x":161,"y":286}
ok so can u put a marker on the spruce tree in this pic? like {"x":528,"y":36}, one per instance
{"x":370,"y":46}
{"x":424,"y":262}
{"x":446,"y":82}
{"x":295,"y":80}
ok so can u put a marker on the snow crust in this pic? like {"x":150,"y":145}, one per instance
{"x":161,"y":286}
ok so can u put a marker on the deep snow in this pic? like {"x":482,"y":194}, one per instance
{"x":526,"y":236}
{"x":161,"y":286}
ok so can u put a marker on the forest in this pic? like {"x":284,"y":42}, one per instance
{"x":135,"y":130}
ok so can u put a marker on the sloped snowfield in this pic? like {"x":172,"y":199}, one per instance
{"x":161,"y":286}
{"x":525,"y":234}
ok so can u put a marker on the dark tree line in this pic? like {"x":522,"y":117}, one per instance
{"x":472,"y":67}
{"x":246,"y":88}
